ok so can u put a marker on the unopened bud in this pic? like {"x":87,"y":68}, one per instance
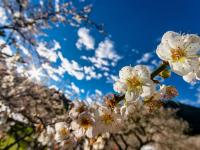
{"x":165,"y":74}
{"x":170,"y":92}
{"x":110,"y":101}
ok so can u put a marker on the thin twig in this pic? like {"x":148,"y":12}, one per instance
{"x":20,"y":139}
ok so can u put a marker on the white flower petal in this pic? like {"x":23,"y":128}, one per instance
{"x":179,"y":69}
{"x":147,"y":91}
{"x":192,"y":38}
{"x":130,"y":96}
{"x":119,"y":87}
{"x":79,"y":133}
{"x":142,"y":71}
{"x":163,"y":51}
{"x":193,"y":49}
{"x":168,"y":35}
{"x":75,"y":125}
{"x":90,"y":132}
{"x":176,"y":41}
{"x":190,"y":77}
{"x":198,"y":75}
{"x":125,"y":72}
{"x":60,"y":125}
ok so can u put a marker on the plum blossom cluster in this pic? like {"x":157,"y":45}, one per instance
{"x":90,"y":124}
{"x":180,"y":54}
{"x":135,"y":83}
{"x":94,"y":121}
{"x":137,"y":86}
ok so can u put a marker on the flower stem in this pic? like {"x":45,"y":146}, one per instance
{"x":159,"y":69}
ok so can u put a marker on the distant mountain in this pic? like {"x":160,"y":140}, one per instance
{"x":188,"y":113}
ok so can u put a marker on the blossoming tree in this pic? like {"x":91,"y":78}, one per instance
{"x":35,"y":117}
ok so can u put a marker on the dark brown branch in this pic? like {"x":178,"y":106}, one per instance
{"x":124,"y":141}
{"x":17,"y":141}
{"x":160,"y":69}
{"x":118,"y":145}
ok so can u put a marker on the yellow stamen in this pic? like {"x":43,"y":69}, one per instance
{"x":80,"y":109}
{"x":107,"y":118}
{"x":85,"y":123}
{"x":134,"y":84}
{"x":178,"y":55}
{"x":64,"y":131}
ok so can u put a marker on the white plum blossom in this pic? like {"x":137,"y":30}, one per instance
{"x":97,"y":144}
{"x":134,"y":82}
{"x":127,"y":108}
{"x":7,"y":81}
{"x":46,"y":136}
{"x":62,"y":131}
{"x":182,"y":52}
{"x":192,"y":76}
{"x":84,"y":125}
{"x":68,"y":144}
{"x":78,"y":108}
{"x":108,"y":120}
{"x":3,"y":118}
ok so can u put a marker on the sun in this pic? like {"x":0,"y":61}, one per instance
{"x":35,"y":73}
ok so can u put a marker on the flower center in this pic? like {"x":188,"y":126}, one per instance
{"x":64,"y":131}
{"x":86,"y":123}
{"x":80,"y":109}
{"x":134,"y":84}
{"x":178,"y":54}
{"x":107,"y":118}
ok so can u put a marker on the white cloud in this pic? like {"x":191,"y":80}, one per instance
{"x":95,"y":97}
{"x":53,"y":73}
{"x":145,"y":58}
{"x":111,"y":78}
{"x":90,"y":73}
{"x":105,"y":50}
{"x":75,"y":88}
{"x":54,"y":87}
{"x":156,"y":62}
{"x":105,"y":56}
{"x":56,"y":45}
{"x":98,"y":92}
{"x":3,"y":16}
{"x":24,"y":50}
{"x":48,"y":53}
{"x":57,"y":7}
{"x":98,"y":62}
{"x":85,"y":39}
{"x":72,"y":68}
{"x":106,"y":74}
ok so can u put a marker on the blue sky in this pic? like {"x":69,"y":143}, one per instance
{"x":134,"y":29}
